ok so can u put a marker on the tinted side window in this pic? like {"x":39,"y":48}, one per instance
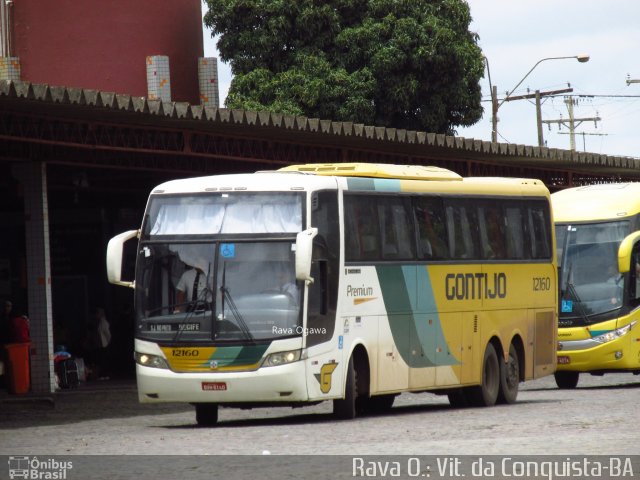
{"x":395,"y":228}
{"x":491,"y":226}
{"x":462,"y":229}
{"x":514,"y":229}
{"x":539,"y":230}
{"x":429,"y":216}
{"x":361,"y":235}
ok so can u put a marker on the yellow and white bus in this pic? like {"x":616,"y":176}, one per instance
{"x":343,"y":282}
{"x":598,"y":234}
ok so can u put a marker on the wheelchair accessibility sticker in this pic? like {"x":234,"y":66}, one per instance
{"x":567,"y":306}
{"x":228,"y":250}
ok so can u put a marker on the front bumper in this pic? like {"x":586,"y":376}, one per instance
{"x":590,"y":356}
{"x":281,"y":384}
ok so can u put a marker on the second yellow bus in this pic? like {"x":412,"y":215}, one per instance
{"x":598,"y":242}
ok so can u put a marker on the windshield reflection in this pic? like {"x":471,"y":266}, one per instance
{"x":239,"y":292}
{"x":591,"y":283}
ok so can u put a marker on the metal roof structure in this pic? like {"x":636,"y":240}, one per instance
{"x":96,"y":128}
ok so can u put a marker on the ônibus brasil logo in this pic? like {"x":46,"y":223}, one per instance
{"x":32,"y":468}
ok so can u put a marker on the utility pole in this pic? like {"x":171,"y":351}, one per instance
{"x":538,"y":96}
{"x":539,"y":118}
{"x":495,"y":105}
{"x":494,"y":114}
{"x":572,"y":123}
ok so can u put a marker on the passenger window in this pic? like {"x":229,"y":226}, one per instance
{"x":491,"y":227}
{"x":432,"y":234}
{"x":514,"y":231}
{"x":361,"y":232}
{"x":538,"y":219}
{"x":462,"y":230}
{"x":397,"y":234}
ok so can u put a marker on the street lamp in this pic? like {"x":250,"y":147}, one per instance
{"x":582,"y":58}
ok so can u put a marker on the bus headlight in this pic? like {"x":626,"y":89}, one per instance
{"x":614,"y":334}
{"x":282,"y":358}
{"x":148,"y":360}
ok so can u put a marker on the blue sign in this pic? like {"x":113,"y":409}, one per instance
{"x":567,"y":306}
{"x":340,"y":342}
{"x":228,"y":250}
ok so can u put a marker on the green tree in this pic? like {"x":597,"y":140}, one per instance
{"x":410,"y":64}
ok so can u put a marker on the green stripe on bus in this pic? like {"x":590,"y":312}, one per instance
{"x":415,"y":334}
{"x":373,"y":184}
{"x":239,"y":355}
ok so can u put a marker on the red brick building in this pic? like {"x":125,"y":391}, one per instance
{"x":104,"y":45}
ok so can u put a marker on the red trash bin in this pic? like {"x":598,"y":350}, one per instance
{"x":18,"y":371}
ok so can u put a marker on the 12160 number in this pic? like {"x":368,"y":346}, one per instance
{"x":541,"y":284}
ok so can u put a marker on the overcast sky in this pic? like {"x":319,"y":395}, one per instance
{"x":514,"y":35}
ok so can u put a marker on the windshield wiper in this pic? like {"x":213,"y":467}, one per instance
{"x":232,"y":306}
{"x":571,"y":289}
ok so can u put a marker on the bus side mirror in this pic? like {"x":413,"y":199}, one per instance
{"x":304,"y":249}
{"x":114,"y":257}
{"x":625,"y":251}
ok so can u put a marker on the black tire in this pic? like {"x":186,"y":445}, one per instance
{"x":486,"y":394}
{"x":206,"y":414}
{"x":345,"y":408}
{"x":509,"y":377}
{"x":567,"y":380}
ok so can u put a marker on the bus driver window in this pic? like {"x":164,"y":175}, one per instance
{"x":635,"y":274}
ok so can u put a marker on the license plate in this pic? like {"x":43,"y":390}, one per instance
{"x":214,"y":386}
{"x":563,"y":360}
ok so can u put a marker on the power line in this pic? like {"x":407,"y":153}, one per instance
{"x":603,"y":96}
{"x":572,"y":122}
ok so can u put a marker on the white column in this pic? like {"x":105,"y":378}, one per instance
{"x":33,"y":177}
{"x":158,"y":78}
{"x":208,"y":80}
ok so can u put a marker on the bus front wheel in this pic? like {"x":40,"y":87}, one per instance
{"x":566,"y":380}
{"x":486,"y":394}
{"x":345,"y":408}
{"x":206,"y":414}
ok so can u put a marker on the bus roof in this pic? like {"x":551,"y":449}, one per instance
{"x":596,"y":202}
{"x":376,"y":170}
{"x":420,"y":178}
{"x":357,"y":177}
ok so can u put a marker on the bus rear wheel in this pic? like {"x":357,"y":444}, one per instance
{"x":486,"y":394}
{"x":566,"y":380}
{"x":206,"y":414}
{"x":509,"y":377}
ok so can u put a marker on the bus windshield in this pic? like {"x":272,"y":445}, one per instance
{"x":590,"y":285}
{"x":219,"y":267}
{"x":220,"y":291}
